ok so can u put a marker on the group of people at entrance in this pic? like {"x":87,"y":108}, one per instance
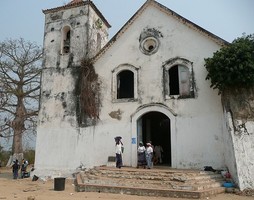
{"x":23,"y":168}
{"x":149,"y":155}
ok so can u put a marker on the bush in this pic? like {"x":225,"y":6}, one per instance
{"x":232,"y":65}
{"x":29,"y":155}
{"x":4,"y":156}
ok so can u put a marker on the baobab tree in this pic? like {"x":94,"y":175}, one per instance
{"x":20,"y":68}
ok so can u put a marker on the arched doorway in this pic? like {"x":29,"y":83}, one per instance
{"x":155,"y":126}
{"x":152,"y":110}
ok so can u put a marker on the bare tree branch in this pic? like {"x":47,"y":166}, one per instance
{"x":20,"y":69}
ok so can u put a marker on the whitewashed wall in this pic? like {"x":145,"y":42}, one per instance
{"x":61,"y":146}
{"x":244,"y":153}
{"x":240,"y":153}
{"x":198,"y":123}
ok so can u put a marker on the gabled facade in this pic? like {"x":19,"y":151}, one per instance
{"x":152,"y":87}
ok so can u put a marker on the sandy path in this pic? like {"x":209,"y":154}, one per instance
{"x":44,"y":190}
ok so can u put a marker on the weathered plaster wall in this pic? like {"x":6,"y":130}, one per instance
{"x":229,"y":149}
{"x":239,"y":153}
{"x":197,"y":123}
{"x":60,"y":142}
{"x":244,"y":153}
{"x":82,"y":44}
{"x":239,"y":131}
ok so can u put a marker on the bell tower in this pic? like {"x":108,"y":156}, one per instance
{"x":72,"y":32}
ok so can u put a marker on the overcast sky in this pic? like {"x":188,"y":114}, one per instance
{"x":227,"y":19}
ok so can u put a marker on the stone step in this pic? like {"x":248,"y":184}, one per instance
{"x":151,"y":174}
{"x":154,"y":182}
{"x":148,"y":175}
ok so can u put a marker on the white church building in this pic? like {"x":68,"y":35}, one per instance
{"x":147,"y":84}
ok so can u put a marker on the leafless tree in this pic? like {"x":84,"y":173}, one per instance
{"x":20,"y":68}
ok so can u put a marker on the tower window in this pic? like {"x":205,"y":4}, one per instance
{"x":66,"y":39}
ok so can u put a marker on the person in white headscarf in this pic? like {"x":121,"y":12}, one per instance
{"x":141,"y":155}
{"x":149,"y":155}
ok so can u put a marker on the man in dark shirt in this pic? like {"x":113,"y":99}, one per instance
{"x":15,"y":169}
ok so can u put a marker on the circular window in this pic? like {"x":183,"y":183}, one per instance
{"x":149,"y":45}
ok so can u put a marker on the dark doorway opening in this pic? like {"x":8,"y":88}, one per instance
{"x":155,"y":127}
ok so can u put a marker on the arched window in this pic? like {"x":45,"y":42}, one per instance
{"x":179,"y":78}
{"x":125,"y":84}
{"x":66,"y":40}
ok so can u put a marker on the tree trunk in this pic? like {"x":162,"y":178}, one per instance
{"x":18,"y":125}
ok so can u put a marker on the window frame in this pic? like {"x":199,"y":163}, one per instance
{"x":114,"y":87}
{"x":183,"y":63}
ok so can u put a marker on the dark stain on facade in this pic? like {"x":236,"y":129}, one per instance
{"x":116,"y":114}
{"x":150,"y":32}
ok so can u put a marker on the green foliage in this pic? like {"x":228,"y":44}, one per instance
{"x":29,"y":155}
{"x":4,"y":156}
{"x":232,"y":65}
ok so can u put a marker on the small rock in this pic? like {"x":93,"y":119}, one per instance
{"x":31,"y":198}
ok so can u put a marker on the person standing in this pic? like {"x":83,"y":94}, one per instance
{"x":152,"y":153}
{"x":141,"y":155}
{"x":149,"y":155}
{"x":118,"y":151}
{"x":15,"y":169}
{"x":24,"y":165}
{"x":158,"y":154}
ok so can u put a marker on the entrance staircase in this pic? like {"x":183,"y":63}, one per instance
{"x":166,"y":182}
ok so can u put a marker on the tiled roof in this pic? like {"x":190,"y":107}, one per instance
{"x":77,"y":3}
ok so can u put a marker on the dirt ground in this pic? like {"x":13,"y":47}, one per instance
{"x":26,"y":189}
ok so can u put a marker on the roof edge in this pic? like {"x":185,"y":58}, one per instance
{"x":122,"y":30}
{"x":173,"y":13}
{"x":203,"y":31}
